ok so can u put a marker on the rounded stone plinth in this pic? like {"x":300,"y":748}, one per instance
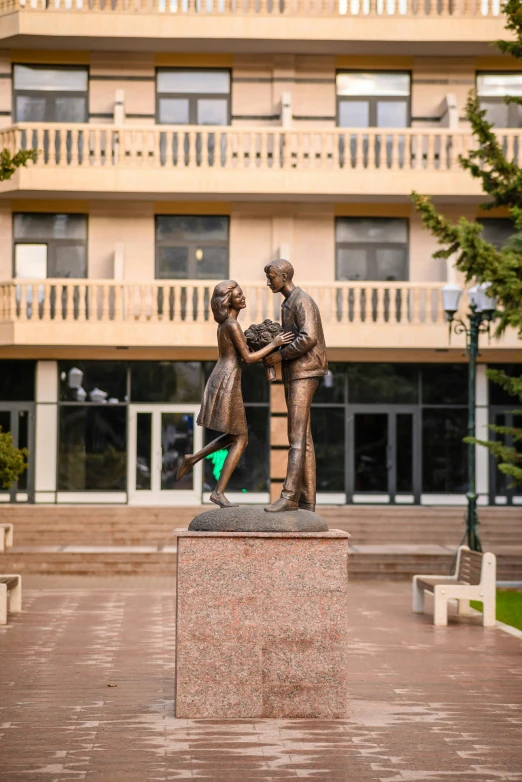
{"x":251,"y":519}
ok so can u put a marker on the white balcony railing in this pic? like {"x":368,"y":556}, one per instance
{"x":77,"y":146}
{"x":273,"y":8}
{"x":187,"y":302}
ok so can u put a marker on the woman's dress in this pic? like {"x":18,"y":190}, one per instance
{"x":222,"y":408}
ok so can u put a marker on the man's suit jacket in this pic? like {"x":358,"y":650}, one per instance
{"x":306,"y":355}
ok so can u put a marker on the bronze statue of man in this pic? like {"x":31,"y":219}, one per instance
{"x":304,"y":362}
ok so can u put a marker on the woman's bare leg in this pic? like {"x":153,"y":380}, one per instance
{"x":190,"y":459}
{"x":239,"y":443}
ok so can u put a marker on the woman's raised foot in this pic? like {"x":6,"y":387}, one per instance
{"x":221,"y":500}
{"x":186,"y":465}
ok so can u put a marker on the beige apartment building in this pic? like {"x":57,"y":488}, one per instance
{"x":187,"y":141}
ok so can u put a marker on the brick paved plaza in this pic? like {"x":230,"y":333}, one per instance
{"x":426,"y":703}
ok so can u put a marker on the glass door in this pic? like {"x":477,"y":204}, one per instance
{"x":19,"y":420}
{"x":383,"y":459}
{"x":501,"y":492}
{"x":159,"y":437}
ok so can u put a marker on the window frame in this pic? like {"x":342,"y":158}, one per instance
{"x":372,"y":99}
{"x":50,"y":93}
{"x":499,"y":100}
{"x":192,"y":97}
{"x":374,"y":245}
{"x":192,"y":245}
{"x":52,"y":244}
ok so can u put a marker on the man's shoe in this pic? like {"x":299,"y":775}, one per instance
{"x":280,"y":505}
{"x":307,"y":506}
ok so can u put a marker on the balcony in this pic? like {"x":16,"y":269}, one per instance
{"x":311,"y":26}
{"x":109,"y":313}
{"x":239,"y":163}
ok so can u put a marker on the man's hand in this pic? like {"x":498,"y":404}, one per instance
{"x":273,"y":359}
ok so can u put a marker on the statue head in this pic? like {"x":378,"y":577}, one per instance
{"x":220,"y":301}
{"x":278,"y":274}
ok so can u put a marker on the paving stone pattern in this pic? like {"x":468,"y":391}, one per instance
{"x":426,"y":703}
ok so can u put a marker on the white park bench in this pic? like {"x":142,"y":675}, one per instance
{"x":474,"y":579}
{"x":6,"y":536}
{"x":11,"y":584}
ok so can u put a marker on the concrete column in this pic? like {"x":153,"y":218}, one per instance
{"x":482,"y":454}
{"x":46,"y":434}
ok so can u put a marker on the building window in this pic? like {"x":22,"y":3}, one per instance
{"x":371,"y":248}
{"x":497,"y":230}
{"x":93,"y":448}
{"x":50,"y":94}
{"x":373,"y":100}
{"x":492,"y":89}
{"x":17,"y":380}
{"x":175,"y":382}
{"x":193,"y":97}
{"x":49,"y":245}
{"x":193,"y":248}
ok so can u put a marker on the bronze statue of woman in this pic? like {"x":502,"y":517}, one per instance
{"x":222,"y":408}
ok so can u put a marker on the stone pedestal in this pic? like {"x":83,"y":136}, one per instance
{"x":261,"y":624}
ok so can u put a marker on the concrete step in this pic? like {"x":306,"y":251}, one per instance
{"x":395,"y":562}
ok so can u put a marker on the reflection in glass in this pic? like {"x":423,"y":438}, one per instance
{"x":109,"y":377}
{"x":49,"y":79}
{"x":212,"y":112}
{"x":371,"y":452}
{"x":5,"y":426}
{"x":354,"y":114}
{"x":497,"y":395}
{"x":444,"y":455}
{"x":252,"y":472}
{"x":23,"y":442}
{"x":383,"y":383}
{"x":144,"y":451}
{"x":175,"y":382}
{"x":444,"y":384}
{"x":185,"y":81}
{"x":331,"y":388}
{"x":17,"y":379}
{"x":174,"y":111}
{"x":499,"y":84}
{"x":92,"y":452}
{"x":177,"y":439}
{"x":376,"y":83}
{"x":392,"y":114}
{"x":404,"y":452}
{"x":328,"y":437}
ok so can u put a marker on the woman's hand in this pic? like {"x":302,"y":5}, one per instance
{"x":283,"y":339}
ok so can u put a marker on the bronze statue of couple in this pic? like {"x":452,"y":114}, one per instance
{"x":303,"y":358}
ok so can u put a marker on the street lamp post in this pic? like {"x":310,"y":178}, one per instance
{"x":481,"y":312}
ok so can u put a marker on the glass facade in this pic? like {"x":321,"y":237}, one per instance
{"x":387,"y":432}
{"x":252,"y":472}
{"x":395,"y":430}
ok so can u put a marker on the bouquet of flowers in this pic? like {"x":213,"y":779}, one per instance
{"x":257,"y":336}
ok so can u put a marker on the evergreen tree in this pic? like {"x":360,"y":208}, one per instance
{"x":9,"y":163}
{"x":501,"y":180}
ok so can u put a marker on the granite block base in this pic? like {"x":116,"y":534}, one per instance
{"x":261,"y":625}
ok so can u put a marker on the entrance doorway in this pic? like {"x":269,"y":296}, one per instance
{"x":384,"y":457}
{"x":159,"y":437}
{"x":19,"y":420}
